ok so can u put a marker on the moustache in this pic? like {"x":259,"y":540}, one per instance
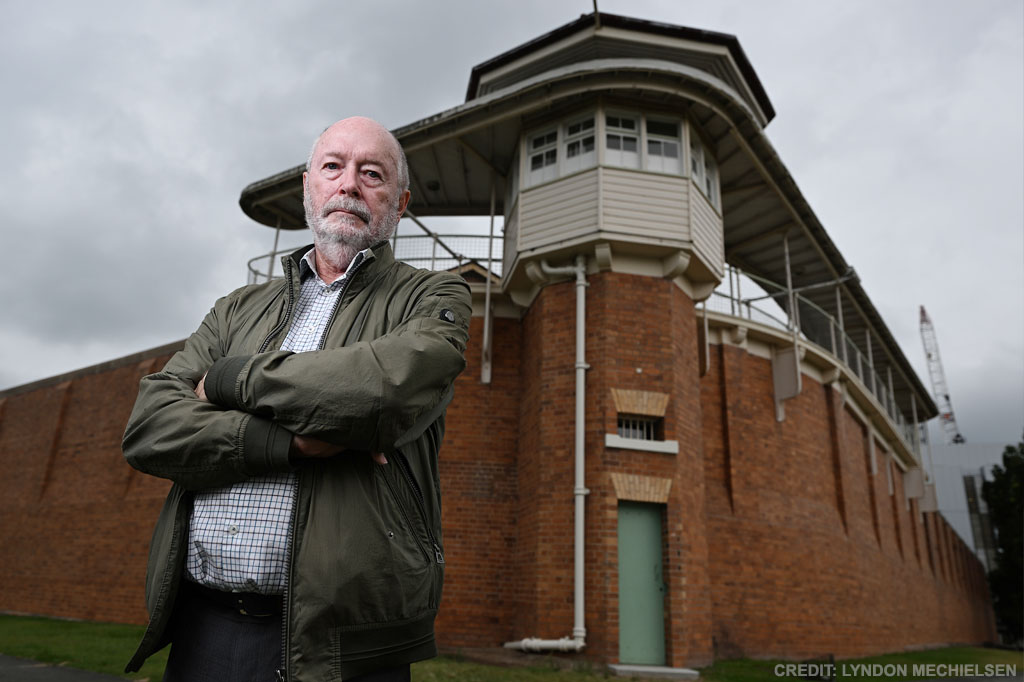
{"x":349,"y":204}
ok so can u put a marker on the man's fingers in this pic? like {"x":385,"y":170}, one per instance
{"x":379,"y":458}
{"x":201,"y":388}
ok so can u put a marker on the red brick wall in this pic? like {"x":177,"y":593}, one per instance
{"x":478,"y":480}
{"x":75,"y":520}
{"x":814,"y":555}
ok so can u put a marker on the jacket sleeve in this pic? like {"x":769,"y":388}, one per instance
{"x":373,"y":395}
{"x":174,"y":434}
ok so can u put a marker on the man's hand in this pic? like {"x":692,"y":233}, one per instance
{"x":306,"y":447}
{"x":201,"y":389}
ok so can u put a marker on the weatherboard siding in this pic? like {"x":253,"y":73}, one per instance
{"x":706,"y":230}
{"x":559,"y":210}
{"x":644,"y":204}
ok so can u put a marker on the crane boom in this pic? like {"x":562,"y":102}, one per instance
{"x":938,"y":377}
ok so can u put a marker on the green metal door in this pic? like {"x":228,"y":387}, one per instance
{"x":641,"y":585}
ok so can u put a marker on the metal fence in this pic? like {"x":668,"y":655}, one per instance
{"x":813,"y":325}
{"x":430,"y":251}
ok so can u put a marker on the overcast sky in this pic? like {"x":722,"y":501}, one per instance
{"x":129,"y":129}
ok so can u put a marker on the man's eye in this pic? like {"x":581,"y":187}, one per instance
{"x":330,"y":165}
{"x":373,"y":174}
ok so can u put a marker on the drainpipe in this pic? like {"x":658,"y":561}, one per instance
{"x":579,"y":633}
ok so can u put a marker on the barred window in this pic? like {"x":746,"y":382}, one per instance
{"x":640,"y":427}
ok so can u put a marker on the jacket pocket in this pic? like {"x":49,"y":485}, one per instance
{"x":402,"y":500}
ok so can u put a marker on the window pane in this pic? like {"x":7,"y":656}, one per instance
{"x":536,"y":162}
{"x":629,"y":143}
{"x":663,"y":128}
{"x":572,"y":149}
{"x":614,"y":142}
{"x":671,"y":149}
{"x":550,"y":157}
{"x":628,"y":123}
{"x":588,"y":144}
{"x":654,"y":147}
{"x":613,"y":121}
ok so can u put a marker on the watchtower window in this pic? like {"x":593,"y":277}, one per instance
{"x":640,"y":427}
{"x":663,"y":148}
{"x":703,"y":169}
{"x":580,"y":150}
{"x":544,"y":157}
{"x":622,"y":142}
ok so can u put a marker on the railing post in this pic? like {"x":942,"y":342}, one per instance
{"x":485,"y":364}
{"x":789,"y":286}
{"x":871,"y":362}
{"x":732,"y":294}
{"x":273,"y":253}
{"x":739,"y":295}
{"x":842,"y":327}
{"x":892,"y":392}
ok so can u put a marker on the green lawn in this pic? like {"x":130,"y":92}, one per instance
{"x":101,"y":647}
{"x":105,"y":648}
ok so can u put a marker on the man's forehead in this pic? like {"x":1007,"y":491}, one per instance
{"x":362,"y":142}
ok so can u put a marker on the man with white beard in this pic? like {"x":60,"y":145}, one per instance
{"x":301,"y":425}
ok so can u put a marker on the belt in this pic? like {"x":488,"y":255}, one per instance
{"x":245,"y":603}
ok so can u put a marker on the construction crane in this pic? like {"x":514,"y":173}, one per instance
{"x":938,"y":377}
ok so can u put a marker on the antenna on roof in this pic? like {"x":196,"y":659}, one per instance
{"x":597,"y":16}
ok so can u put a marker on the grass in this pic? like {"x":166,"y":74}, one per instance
{"x":105,"y":648}
{"x":100,"y":647}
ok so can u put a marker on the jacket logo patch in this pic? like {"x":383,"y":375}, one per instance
{"x":447,"y":315}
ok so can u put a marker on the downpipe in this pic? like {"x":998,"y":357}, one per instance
{"x":579,"y":632}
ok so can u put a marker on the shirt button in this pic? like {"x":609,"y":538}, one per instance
{"x":232,"y":529}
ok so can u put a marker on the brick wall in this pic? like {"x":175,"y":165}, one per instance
{"x":75,"y":520}
{"x":809,"y":551}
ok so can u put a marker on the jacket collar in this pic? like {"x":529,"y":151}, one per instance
{"x":380,"y":258}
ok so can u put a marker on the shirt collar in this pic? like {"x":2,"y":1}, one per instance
{"x":307,"y":266}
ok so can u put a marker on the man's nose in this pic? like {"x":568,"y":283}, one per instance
{"x":348,"y":182}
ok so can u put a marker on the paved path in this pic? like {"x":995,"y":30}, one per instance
{"x":23,"y":670}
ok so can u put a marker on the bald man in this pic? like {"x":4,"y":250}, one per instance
{"x":300,"y":425}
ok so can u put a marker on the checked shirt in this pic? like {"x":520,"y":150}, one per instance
{"x":238,"y":534}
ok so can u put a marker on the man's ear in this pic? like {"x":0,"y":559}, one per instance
{"x":403,"y":201}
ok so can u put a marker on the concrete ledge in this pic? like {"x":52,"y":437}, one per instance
{"x":668,"y":447}
{"x":653,"y":671}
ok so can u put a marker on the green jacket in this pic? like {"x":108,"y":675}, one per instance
{"x":366,"y":559}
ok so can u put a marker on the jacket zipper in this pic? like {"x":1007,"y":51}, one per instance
{"x":282,"y":672}
{"x":290,"y":296}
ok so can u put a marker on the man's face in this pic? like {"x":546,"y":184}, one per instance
{"x":351,"y":191}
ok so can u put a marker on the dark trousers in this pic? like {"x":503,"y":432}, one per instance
{"x":214,"y":643}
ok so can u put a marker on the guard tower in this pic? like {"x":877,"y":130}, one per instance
{"x":639,"y":423}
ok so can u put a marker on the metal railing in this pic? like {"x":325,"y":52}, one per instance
{"x":430,"y":251}
{"x":813,"y":325}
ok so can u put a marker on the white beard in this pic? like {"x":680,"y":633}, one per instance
{"x":341,"y":239}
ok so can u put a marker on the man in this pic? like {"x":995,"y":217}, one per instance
{"x":301,"y":424}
